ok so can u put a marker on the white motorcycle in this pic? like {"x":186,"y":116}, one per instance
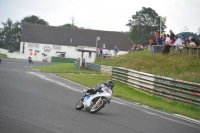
{"x":95,"y":102}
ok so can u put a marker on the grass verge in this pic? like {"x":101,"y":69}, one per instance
{"x":61,"y":68}
{"x":3,"y":56}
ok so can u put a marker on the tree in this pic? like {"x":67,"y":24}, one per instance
{"x":34,"y":20}
{"x":68,"y":26}
{"x":11,"y":32}
{"x":8,"y":36}
{"x":144,"y":24}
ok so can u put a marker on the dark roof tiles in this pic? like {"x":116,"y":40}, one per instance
{"x":80,"y":37}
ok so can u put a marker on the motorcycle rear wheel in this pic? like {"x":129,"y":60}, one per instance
{"x":97,"y":106}
{"x":79,"y":105}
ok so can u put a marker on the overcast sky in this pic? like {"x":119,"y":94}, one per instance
{"x":109,"y":15}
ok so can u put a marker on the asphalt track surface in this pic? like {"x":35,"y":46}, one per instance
{"x":35,"y":102}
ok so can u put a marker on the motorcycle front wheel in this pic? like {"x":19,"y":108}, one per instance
{"x":97,"y":106}
{"x":79,"y":105}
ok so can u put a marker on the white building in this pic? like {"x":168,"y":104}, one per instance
{"x":42,"y":42}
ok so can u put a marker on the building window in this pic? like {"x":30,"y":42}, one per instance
{"x":56,"y":47}
{"x":33,"y":45}
{"x":30,"y":45}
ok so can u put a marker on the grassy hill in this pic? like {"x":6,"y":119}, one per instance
{"x":177,"y":67}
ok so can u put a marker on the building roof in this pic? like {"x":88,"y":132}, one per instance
{"x":74,"y":37}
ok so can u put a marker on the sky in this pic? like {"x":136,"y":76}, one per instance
{"x":106,"y":15}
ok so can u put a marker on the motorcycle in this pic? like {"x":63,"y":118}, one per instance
{"x":30,"y":61}
{"x":95,"y":102}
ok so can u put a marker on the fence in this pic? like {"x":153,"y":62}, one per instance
{"x":94,"y":67}
{"x":60,"y":59}
{"x":191,"y":51}
{"x":166,"y":88}
{"x":156,"y":49}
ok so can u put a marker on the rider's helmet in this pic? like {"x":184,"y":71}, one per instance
{"x":110,"y":84}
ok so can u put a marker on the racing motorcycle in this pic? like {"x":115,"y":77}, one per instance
{"x":30,"y":61}
{"x":95,"y":102}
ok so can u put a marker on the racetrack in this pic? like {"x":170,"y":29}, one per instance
{"x":34,"y":102}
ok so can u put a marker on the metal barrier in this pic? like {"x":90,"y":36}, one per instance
{"x":64,"y":60}
{"x":194,"y":51}
{"x":166,"y":88}
{"x":156,"y":49}
{"x":93,"y":67}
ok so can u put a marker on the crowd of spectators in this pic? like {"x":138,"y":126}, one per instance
{"x":171,"y":40}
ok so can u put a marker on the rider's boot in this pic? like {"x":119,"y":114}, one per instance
{"x":82,"y":98}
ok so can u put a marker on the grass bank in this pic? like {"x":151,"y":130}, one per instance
{"x":3,"y":56}
{"x":61,"y":68}
{"x":65,"y":70}
{"x":173,"y":66}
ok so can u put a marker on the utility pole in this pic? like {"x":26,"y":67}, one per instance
{"x":73,"y":18}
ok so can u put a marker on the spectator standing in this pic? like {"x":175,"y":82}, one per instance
{"x":115,"y":50}
{"x":167,"y":40}
{"x":166,"y":48}
{"x":192,"y":42}
{"x":164,"y":38}
{"x":134,"y":48}
{"x":160,"y":39}
{"x":172,"y":36}
{"x":178,"y":43}
{"x":151,"y":43}
{"x":101,"y":52}
{"x":104,"y":51}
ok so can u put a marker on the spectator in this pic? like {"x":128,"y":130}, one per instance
{"x":115,"y":50}
{"x":160,"y":39}
{"x":178,"y":42}
{"x":100,"y":52}
{"x":192,"y":43}
{"x":166,"y":48}
{"x":183,"y":39}
{"x":190,"y":37}
{"x":156,"y":40}
{"x":167,"y":40}
{"x":151,"y":43}
{"x":104,"y":51}
{"x":164,"y":38}
{"x":138,"y":47}
{"x":134,"y":48}
{"x":172,"y":35}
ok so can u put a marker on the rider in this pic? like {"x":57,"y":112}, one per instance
{"x":29,"y":59}
{"x":109,"y":84}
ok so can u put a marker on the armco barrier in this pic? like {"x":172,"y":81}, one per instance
{"x":94,"y":67}
{"x":89,"y":66}
{"x":167,"y":88}
{"x":64,"y":60}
